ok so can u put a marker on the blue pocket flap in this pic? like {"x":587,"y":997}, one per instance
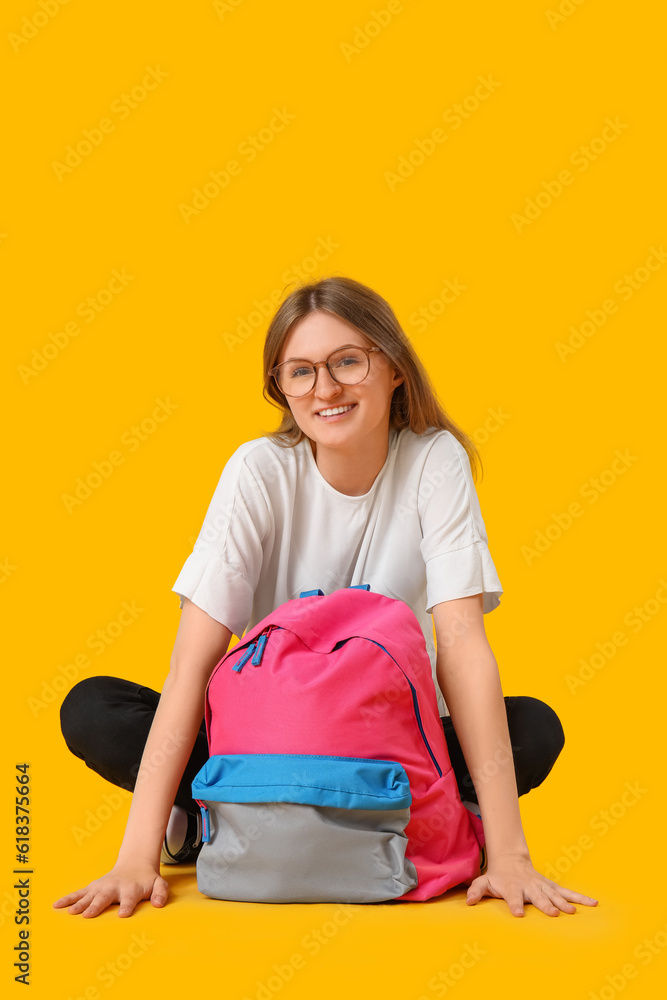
{"x":312,"y":779}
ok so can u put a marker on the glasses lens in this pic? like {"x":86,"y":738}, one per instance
{"x":296,"y":378}
{"x":349,"y":365}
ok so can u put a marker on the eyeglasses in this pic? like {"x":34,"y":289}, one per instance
{"x":347,"y":365}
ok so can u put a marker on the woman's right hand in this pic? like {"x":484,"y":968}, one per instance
{"x":127,"y":883}
{"x":200,"y":643}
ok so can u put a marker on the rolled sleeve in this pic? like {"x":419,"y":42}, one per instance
{"x":221,"y":573}
{"x":463,"y":573}
{"x":219,"y":590}
{"x":454,"y":541}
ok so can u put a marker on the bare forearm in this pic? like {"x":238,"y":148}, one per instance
{"x":165,"y":756}
{"x":471,"y":686}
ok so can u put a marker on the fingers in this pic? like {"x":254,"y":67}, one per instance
{"x":97,"y":902}
{"x":482,"y":887}
{"x":99,"y":895}
{"x":130,"y":897}
{"x":559,"y":901}
{"x":128,"y":901}
{"x":571,"y":895}
{"x":547,"y":896}
{"x":553,"y":899}
{"x":126,"y":897}
{"x":82,"y":904}
{"x":478,"y":887}
{"x":69,"y":898}
{"x":544,"y":898}
{"x":80,"y":900}
{"x":73,"y":897}
{"x":547,"y":899}
{"x":160,"y":892}
{"x":515,"y":900}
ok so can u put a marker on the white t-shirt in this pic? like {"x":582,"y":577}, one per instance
{"x":276,"y":527}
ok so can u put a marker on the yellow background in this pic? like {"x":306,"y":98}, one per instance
{"x":323,"y":177}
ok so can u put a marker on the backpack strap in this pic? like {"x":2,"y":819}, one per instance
{"x":320,"y":593}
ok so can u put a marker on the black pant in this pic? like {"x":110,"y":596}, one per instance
{"x":106,"y":721}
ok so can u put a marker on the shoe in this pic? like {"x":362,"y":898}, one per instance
{"x":182,"y":840}
{"x":472,"y":806}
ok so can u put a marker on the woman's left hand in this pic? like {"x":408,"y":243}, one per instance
{"x":514,"y":879}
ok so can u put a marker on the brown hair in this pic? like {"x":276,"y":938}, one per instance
{"x":414,"y":403}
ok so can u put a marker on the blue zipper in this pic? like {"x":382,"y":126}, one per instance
{"x":206,"y":826}
{"x":238,"y":666}
{"x":256,"y":647}
{"x":257,"y":658}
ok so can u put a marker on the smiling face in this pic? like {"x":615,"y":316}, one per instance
{"x":314,"y":338}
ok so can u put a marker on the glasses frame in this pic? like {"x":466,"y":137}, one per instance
{"x":316,"y":365}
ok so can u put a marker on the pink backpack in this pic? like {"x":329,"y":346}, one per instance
{"x":329,"y":778}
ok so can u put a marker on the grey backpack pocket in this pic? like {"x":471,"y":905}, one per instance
{"x":303,"y":828}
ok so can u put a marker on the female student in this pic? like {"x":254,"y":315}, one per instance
{"x":367,"y":480}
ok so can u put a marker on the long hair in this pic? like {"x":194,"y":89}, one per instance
{"x":414,"y":403}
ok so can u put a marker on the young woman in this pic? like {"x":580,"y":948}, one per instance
{"x":366,"y":480}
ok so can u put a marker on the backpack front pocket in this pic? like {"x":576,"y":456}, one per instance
{"x":303,"y":828}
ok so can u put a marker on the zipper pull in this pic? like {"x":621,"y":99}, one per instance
{"x":238,"y":666}
{"x":206,"y":826}
{"x":259,"y":652}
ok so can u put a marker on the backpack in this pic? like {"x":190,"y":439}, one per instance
{"x":329,"y":778}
